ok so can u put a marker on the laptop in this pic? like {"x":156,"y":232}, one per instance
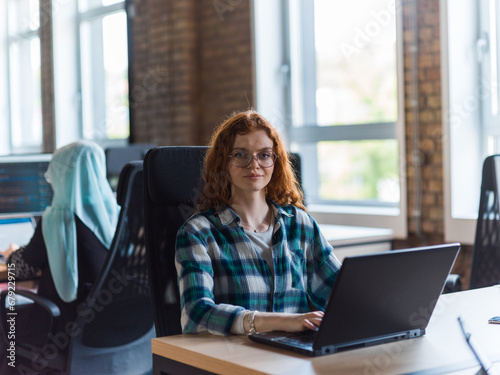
{"x":377,"y":298}
{"x":18,"y":230}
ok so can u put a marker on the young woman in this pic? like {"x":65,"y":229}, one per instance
{"x":252,"y":260}
{"x":71,"y":242}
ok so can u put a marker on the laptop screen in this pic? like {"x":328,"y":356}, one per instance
{"x":383,"y":293}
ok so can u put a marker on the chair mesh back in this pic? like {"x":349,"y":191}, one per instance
{"x":172,"y":184}
{"x":119,"y":308}
{"x":296,"y":162}
{"x":486,"y":259}
{"x":118,"y":157}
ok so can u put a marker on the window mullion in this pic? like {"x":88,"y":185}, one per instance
{"x":308,"y":57}
{"x":7,"y":117}
{"x":344,"y":132}
{"x":23,"y":83}
{"x":101,"y":11}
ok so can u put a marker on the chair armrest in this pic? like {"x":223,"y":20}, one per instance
{"x":47,"y":304}
{"x":453,"y":284}
{"x":52,"y":309}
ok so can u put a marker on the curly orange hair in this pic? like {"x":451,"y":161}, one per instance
{"x":283,"y":187}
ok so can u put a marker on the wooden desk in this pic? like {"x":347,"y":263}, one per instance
{"x":442,"y":350}
{"x":3,"y":272}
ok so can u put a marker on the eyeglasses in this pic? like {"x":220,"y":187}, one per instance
{"x":242,"y":159}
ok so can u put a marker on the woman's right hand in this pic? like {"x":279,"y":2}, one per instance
{"x":266,"y":322}
{"x":6,"y":253}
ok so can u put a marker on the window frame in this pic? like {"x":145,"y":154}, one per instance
{"x":8,"y":40}
{"x":67,"y":19}
{"x":5,"y":143}
{"x":456,"y":99}
{"x":308,"y":133}
{"x":98,"y":77}
{"x":273,"y":80}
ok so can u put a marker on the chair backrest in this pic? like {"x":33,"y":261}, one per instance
{"x":117,"y":157}
{"x":172,"y":185}
{"x":113,"y":327}
{"x":118,"y":309}
{"x":296,"y":163}
{"x":485,"y":269}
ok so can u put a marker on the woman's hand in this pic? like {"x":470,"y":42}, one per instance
{"x":6,"y":253}
{"x":265,"y":322}
{"x":311,"y":320}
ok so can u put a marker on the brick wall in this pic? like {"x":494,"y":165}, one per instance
{"x":226,"y":64}
{"x":164,"y":69}
{"x":424,"y":155}
{"x":191,"y":66}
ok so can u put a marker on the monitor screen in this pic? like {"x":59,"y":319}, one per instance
{"x":23,"y":188}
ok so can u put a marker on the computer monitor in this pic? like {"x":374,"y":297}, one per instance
{"x":23,"y":188}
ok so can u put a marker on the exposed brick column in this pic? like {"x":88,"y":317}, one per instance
{"x":47,"y":77}
{"x":430,"y":124}
{"x":164,"y":71}
{"x":226,"y":62}
{"x":192,"y":65}
{"x":430,"y":143}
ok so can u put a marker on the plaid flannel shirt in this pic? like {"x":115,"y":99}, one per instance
{"x":220,"y":273}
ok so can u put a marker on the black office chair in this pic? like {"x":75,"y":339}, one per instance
{"x":485,"y":269}
{"x":114,"y":326}
{"x":117,"y":157}
{"x":172,"y":184}
{"x":296,"y":162}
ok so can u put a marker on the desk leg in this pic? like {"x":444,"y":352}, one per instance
{"x":167,"y":366}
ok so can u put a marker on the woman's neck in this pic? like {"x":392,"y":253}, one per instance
{"x":253,"y":211}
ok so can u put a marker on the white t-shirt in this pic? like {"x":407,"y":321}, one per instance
{"x":262,"y":243}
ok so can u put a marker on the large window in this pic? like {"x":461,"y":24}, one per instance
{"x":470,"y":43}
{"x":337,"y":69}
{"x":345,"y":100}
{"x":90,"y":65}
{"x":104,"y":73}
{"x":22,"y":119}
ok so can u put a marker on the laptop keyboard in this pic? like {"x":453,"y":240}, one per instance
{"x":305,"y":338}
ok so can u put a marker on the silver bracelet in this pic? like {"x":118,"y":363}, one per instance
{"x":251,"y":322}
